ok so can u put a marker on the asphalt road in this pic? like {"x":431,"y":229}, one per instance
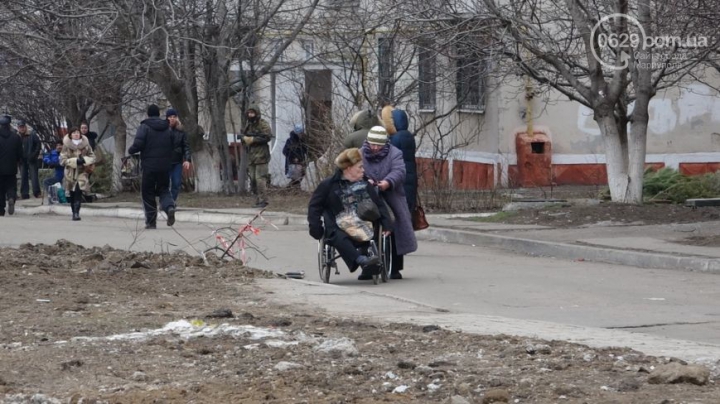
{"x":462,"y":279}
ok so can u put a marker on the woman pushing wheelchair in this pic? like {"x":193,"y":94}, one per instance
{"x":346,"y":210}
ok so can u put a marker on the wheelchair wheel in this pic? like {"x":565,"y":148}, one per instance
{"x":385,"y":253}
{"x":324,"y":264}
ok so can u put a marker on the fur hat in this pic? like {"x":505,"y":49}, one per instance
{"x":377,"y":135}
{"x":387,"y":120}
{"x":348,"y":158}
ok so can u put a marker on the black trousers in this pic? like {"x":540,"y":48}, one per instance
{"x":398,"y":261}
{"x":155,"y":184}
{"x":8,"y":188}
{"x":345,"y":246}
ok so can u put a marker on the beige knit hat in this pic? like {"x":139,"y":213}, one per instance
{"x":377,"y":135}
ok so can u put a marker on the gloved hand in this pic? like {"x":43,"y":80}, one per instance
{"x":316,"y":232}
{"x":248,"y":140}
{"x":80,"y":161}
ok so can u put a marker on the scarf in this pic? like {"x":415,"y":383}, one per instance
{"x":375,"y":157}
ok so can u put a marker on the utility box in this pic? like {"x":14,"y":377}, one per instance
{"x":534,"y":159}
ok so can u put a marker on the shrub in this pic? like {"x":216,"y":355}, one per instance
{"x":670,"y":185}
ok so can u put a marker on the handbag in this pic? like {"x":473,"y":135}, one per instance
{"x":419,"y":221}
{"x":367,"y":210}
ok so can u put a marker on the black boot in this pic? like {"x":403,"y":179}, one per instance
{"x":76,"y":201}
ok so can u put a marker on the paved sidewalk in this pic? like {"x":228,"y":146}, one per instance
{"x":641,"y":246}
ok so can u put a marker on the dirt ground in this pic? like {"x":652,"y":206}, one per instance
{"x":99,"y":325}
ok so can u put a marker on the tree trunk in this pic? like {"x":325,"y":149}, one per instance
{"x":615,"y":158}
{"x":115,"y":115}
{"x":207,"y":169}
{"x":642,"y":81}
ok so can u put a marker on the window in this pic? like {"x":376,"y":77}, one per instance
{"x":426,"y":77}
{"x":338,"y":5}
{"x":470,"y":80}
{"x":386,"y":71}
{"x":309,"y":47}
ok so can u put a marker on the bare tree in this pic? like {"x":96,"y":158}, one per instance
{"x":609,"y":56}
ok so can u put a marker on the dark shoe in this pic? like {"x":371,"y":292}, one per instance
{"x":364,"y":261}
{"x":260,"y":205}
{"x":11,"y":207}
{"x":365,"y":276}
{"x":151,"y":226}
{"x":76,"y":216}
{"x":38,"y":195}
{"x":2,"y":213}
{"x":171,"y":216}
{"x":395,"y":275}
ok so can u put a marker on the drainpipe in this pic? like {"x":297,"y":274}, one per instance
{"x":529,"y":94}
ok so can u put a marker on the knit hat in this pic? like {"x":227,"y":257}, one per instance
{"x":153,"y":110}
{"x":348,"y":158}
{"x":298,"y":129}
{"x":377,"y":135}
{"x":21,"y":122}
{"x":170,"y":112}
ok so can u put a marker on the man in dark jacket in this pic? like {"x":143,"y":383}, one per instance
{"x":181,"y":153}
{"x":154,"y":142}
{"x":256,"y":137}
{"x":31,"y":151}
{"x":11,"y":152}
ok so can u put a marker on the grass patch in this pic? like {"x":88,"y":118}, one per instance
{"x":496,"y":218}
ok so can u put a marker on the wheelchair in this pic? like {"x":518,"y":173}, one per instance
{"x":380,"y":246}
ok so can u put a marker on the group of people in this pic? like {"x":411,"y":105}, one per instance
{"x":19,"y":149}
{"x":164,"y":154}
{"x":378,"y":164}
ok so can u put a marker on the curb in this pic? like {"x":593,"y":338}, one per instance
{"x":188,"y":216}
{"x":573,"y":251}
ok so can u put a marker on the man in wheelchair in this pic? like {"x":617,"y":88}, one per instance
{"x":335,"y":203}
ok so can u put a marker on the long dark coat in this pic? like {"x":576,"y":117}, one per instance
{"x":388,"y":165}
{"x":404,"y":140}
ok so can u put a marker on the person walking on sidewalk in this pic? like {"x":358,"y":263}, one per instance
{"x":31,"y":152}
{"x":181,"y":153}
{"x":296,"y":156}
{"x":256,"y":138}
{"x":11,"y":152}
{"x":384,"y":167}
{"x":77,"y":157}
{"x":154,"y":142}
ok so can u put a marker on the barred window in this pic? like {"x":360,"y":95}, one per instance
{"x":386,"y":71}
{"x":427,"y":76}
{"x":470,"y":80}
